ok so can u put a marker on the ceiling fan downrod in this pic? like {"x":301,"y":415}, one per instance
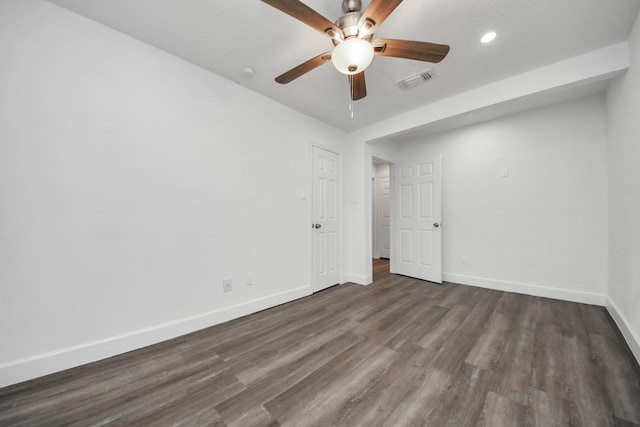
{"x":349,"y":6}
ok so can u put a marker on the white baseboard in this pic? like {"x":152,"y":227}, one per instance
{"x":633,"y":340}
{"x":359,"y":279}
{"x":527,"y":289}
{"x":20,"y":370}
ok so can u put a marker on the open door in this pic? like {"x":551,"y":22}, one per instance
{"x":417,"y":250}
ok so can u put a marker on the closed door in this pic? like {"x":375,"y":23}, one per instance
{"x":417,"y":229}
{"x":384,"y":217}
{"x":325,"y":217}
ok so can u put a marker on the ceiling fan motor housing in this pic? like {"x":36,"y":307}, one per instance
{"x":348,"y":23}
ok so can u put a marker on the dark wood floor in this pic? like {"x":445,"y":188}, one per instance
{"x":399,"y":352}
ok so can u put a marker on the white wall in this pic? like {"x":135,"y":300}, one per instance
{"x":543,"y":229}
{"x":131,"y":184}
{"x":357,"y":189}
{"x":537,"y":87}
{"x":623,"y":102}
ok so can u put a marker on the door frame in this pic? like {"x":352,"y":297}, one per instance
{"x":375,"y":252}
{"x":308,"y":194}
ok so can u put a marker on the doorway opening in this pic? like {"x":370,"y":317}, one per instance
{"x":381,"y":201}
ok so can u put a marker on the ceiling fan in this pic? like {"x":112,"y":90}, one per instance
{"x":352,"y":36}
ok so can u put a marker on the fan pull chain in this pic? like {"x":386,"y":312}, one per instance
{"x":351,"y":108}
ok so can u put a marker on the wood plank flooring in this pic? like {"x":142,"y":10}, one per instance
{"x":397,"y":353}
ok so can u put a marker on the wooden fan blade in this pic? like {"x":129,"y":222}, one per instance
{"x":304,"y":13}
{"x":304,"y":68}
{"x":358,"y":86}
{"x":378,"y":11}
{"x":420,"y":51}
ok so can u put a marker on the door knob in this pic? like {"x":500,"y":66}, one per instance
{"x":436,"y":224}
{"x":317,"y":225}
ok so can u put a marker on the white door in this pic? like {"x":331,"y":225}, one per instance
{"x":325,"y":225}
{"x":417,"y":248}
{"x":384,"y":217}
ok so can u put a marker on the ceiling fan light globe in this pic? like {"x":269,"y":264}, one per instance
{"x":352,"y":56}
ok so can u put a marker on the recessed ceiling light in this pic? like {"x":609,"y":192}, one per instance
{"x":488,"y":37}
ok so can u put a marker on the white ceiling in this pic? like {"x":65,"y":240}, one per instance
{"x":225,"y":36}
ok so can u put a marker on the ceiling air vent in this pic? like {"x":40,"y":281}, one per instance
{"x":415,"y":80}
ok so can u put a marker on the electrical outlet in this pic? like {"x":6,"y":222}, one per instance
{"x":226,"y":285}
{"x":249,"y":279}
